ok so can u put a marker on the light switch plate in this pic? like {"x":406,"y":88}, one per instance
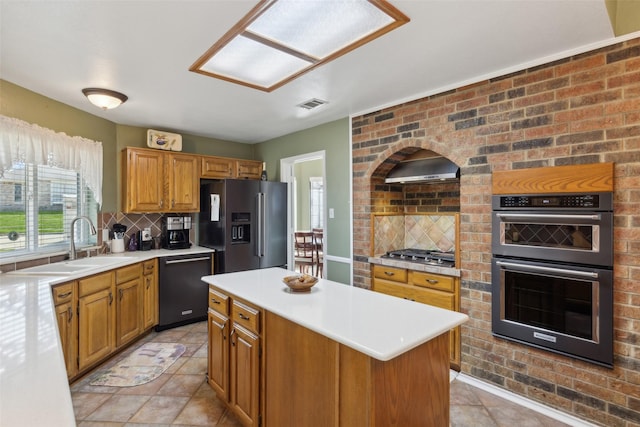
{"x":332,"y":213}
{"x":105,"y":234}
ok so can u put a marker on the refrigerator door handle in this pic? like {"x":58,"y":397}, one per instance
{"x":261,"y":225}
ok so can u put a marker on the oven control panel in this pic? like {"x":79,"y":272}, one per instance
{"x":562,"y":201}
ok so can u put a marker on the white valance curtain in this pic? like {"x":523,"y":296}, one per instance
{"x":22,"y":142}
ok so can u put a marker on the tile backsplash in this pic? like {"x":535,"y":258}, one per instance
{"x":434,"y":232}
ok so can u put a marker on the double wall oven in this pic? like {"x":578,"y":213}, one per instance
{"x":552,"y":273}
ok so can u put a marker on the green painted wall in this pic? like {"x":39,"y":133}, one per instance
{"x":303,"y":171}
{"x":624,"y":16}
{"x":332,"y":137}
{"x":31,"y":107}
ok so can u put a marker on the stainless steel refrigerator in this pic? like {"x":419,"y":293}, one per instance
{"x":245,"y":221}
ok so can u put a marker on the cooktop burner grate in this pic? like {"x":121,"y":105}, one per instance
{"x":423,"y":256}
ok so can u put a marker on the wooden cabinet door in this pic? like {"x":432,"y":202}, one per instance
{"x":96,"y":338}
{"x":217,"y":167}
{"x":128,"y":311}
{"x":67,"y":327}
{"x":143,"y":181}
{"x":245,"y":379}
{"x":249,"y":169}
{"x":184,"y":183}
{"x":150,"y":295}
{"x":66,"y":303}
{"x":219,"y":354}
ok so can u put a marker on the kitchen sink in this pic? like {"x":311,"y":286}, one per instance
{"x":71,"y":267}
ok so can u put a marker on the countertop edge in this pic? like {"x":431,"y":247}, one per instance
{"x":37,"y":393}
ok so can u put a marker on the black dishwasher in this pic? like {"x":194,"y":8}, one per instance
{"x":182,"y":295}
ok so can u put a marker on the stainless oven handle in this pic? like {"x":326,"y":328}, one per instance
{"x":596,"y":217}
{"x":180,"y":261}
{"x":547,"y":269}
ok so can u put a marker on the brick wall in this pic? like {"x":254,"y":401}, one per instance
{"x":579,"y":110}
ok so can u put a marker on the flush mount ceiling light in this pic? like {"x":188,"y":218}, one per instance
{"x":104,"y":98}
{"x":279,"y":40}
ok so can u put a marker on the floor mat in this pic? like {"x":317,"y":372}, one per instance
{"x":142,"y":366}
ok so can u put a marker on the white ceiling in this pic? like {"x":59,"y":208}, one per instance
{"x":145,"y":48}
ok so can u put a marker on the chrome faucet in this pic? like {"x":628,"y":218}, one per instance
{"x":72,"y":244}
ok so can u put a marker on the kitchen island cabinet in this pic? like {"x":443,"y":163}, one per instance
{"x":330,"y":357}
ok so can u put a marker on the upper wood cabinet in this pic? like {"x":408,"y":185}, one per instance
{"x":224,"y":167}
{"x":183,"y":183}
{"x":217,"y":167}
{"x":249,"y":169}
{"x":159,"y":181}
{"x":167,"y":181}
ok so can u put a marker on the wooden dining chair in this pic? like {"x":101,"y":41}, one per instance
{"x":318,"y":246}
{"x":304,"y":252}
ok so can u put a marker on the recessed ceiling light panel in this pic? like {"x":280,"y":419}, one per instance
{"x":280,"y":40}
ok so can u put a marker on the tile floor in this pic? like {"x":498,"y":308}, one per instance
{"x":181,"y":396}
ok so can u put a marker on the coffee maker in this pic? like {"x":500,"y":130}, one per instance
{"x":175,"y":232}
{"x":145,"y":242}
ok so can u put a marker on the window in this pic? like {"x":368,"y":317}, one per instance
{"x":316,"y":202}
{"x":46,"y":180}
{"x":39,"y":220}
{"x":17,"y":193}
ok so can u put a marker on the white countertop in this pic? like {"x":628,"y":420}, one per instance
{"x":34,"y":390}
{"x":375,"y":324}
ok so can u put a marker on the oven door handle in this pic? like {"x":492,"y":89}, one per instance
{"x":589,"y":274}
{"x":595,"y":217}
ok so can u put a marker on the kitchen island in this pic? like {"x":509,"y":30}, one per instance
{"x":341,"y":355}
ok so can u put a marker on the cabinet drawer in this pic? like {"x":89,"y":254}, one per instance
{"x":415,"y":293}
{"x":128,"y":273}
{"x":439,"y":299}
{"x":246,"y":316}
{"x":149,"y":267}
{"x":218,"y":302}
{"x":390,"y":273}
{"x":62,"y":293}
{"x":433,"y":281}
{"x":95,"y":283}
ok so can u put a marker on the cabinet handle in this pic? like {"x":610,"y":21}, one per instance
{"x":64,"y":295}
{"x":70,"y":314}
{"x":110,"y":297}
{"x":121,"y":293}
{"x":432,"y":281}
{"x":148,"y":282}
{"x":215,"y":301}
{"x":233,"y":331}
{"x":161,"y":203}
{"x":389,"y":273}
{"x":243,"y":317}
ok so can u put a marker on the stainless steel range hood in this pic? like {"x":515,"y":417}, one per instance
{"x":432,"y":169}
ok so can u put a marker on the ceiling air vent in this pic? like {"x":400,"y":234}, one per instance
{"x":312,"y":103}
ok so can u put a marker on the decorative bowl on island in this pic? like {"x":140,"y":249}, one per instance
{"x":300,"y":283}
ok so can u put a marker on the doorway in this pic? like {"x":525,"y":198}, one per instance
{"x":306,"y":199}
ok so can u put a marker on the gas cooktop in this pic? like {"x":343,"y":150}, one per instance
{"x":423,"y":256}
